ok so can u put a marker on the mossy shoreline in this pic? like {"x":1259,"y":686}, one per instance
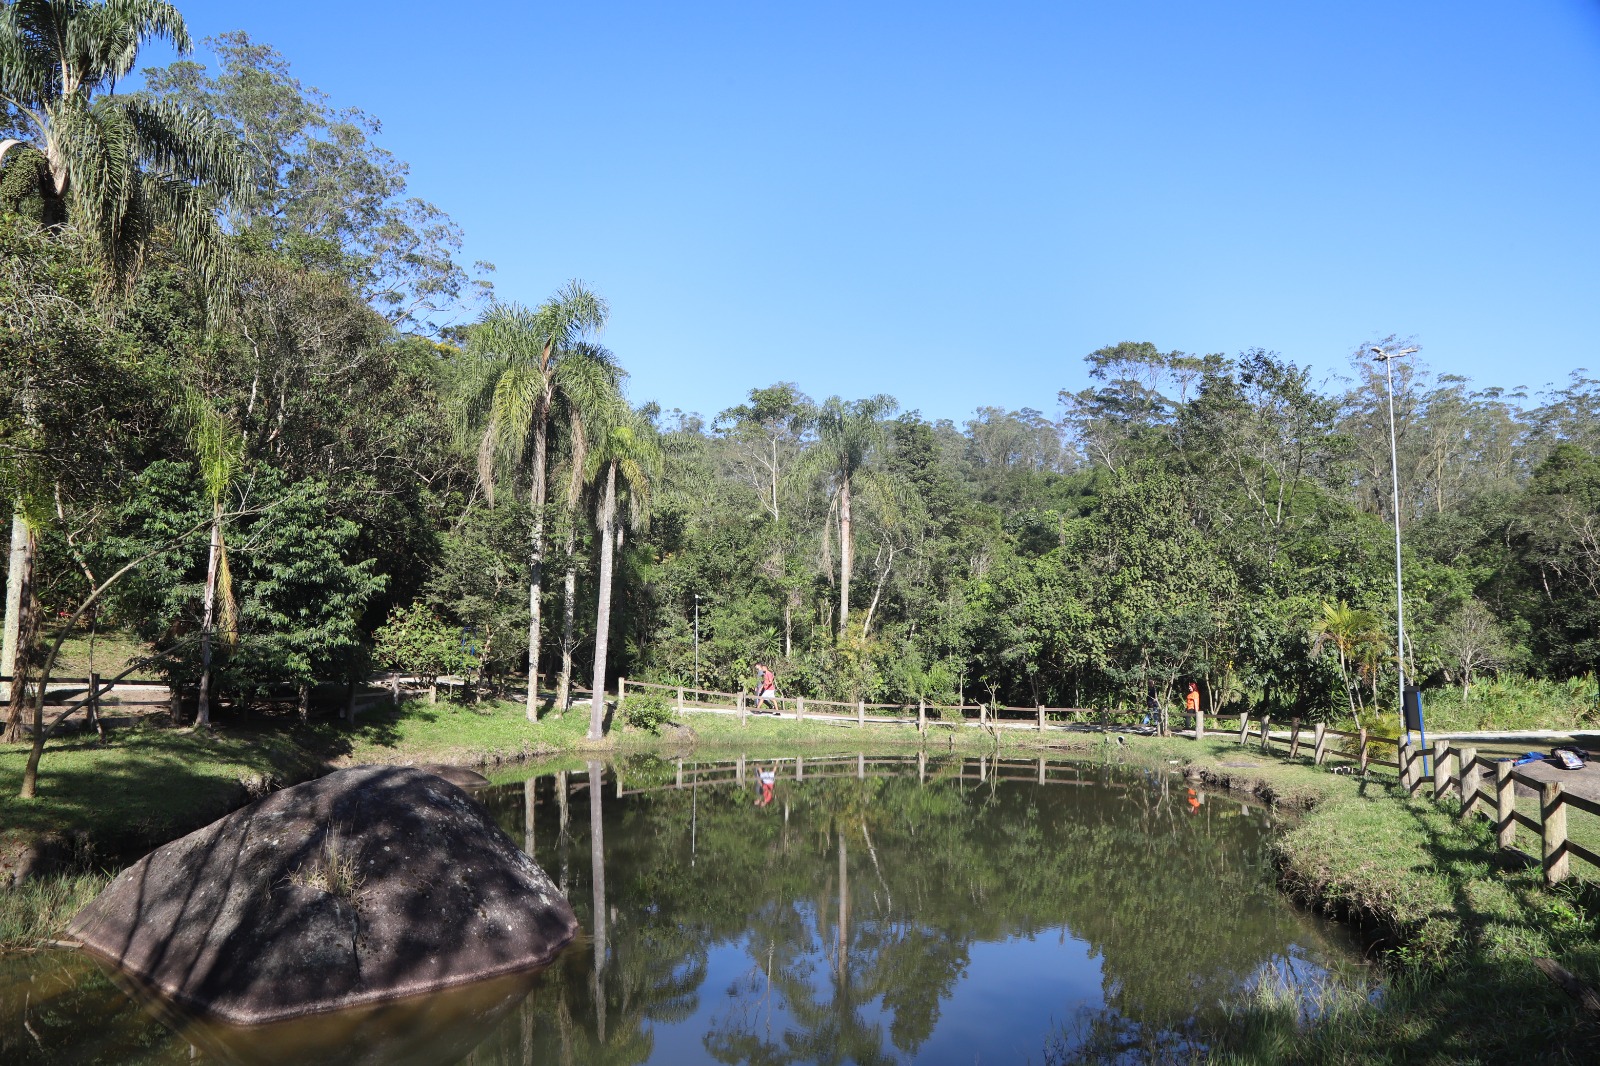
{"x":1458,"y":929}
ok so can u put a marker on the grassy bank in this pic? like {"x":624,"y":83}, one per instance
{"x":1458,"y":928}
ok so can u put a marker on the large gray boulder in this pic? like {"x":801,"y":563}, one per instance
{"x":367,"y":885}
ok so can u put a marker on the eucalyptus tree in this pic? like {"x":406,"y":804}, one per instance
{"x":527,"y":358}
{"x":849,"y":435}
{"x":116,"y":168}
{"x":627,"y":452}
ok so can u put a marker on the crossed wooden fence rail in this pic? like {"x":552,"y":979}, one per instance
{"x":1460,"y":773}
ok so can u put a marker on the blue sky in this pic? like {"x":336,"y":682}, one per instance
{"x":953,"y":203}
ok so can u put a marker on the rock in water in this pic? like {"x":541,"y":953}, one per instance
{"x":366,"y":885}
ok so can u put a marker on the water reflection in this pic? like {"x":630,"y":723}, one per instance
{"x":878,"y":910}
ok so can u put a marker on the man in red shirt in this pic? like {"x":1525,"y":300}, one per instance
{"x":766,"y":688}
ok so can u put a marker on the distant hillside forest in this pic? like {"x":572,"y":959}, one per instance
{"x":240,"y":356}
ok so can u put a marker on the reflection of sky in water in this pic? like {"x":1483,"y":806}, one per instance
{"x":1012,"y":999}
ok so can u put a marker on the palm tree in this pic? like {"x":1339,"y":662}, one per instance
{"x":219,"y":446}
{"x":1351,"y":632}
{"x":628,"y":451}
{"x":113,"y":166}
{"x":530,"y":357}
{"x":847,"y":436}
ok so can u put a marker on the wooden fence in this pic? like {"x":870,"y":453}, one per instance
{"x":923,"y":715}
{"x":1457,"y":773}
{"x":88,"y":695}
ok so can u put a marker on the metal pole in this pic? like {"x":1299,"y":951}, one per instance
{"x":1388,"y":359}
{"x":696,"y":640}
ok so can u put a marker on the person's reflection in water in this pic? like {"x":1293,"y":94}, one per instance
{"x":769,"y":778}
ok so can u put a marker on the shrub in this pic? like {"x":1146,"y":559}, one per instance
{"x":647,"y":710}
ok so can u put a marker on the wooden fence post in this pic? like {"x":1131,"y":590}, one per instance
{"x":922,"y":766}
{"x":1468,"y":776}
{"x":1553,"y":810}
{"x":1366,"y":753}
{"x":1294,"y":737}
{"x":1200,"y":724}
{"x":799,"y":767}
{"x":622,"y":694}
{"x":744,"y":717}
{"x":1244,"y":725}
{"x":922,"y":715}
{"x":679,"y":782}
{"x":1266,"y":724}
{"x":740,"y":767}
{"x":1505,"y":804}
{"x":1409,"y":775}
{"x":1041,"y":718}
{"x":1441,"y":770}
{"x":1319,"y":744}
{"x":799,"y":708}
{"x":680,"y":699}
{"x":861,"y":713}
{"x":861,"y":766}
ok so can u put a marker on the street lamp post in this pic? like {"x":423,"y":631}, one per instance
{"x":696,"y":640}
{"x":1387,"y":358}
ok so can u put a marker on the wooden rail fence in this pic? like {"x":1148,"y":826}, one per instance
{"x":1457,"y":773}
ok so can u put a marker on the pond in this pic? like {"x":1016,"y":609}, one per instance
{"x":878,"y":909}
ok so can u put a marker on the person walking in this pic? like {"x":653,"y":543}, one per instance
{"x":766,"y":688}
{"x":1191,"y":702}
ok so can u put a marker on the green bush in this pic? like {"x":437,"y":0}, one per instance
{"x":647,"y":710}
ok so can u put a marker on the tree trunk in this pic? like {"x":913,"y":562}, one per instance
{"x":17,"y":570}
{"x":25,"y":642}
{"x":536,"y":555}
{"x":602,"y":623}
{"x":303,"y":700}
{"x":846,"y":551}
{"x":202,"y":715}
{"x":569,"y":597}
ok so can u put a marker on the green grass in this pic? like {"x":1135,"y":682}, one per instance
{"x":106,"y":653}
{"x":36,"y":911}
{"x":107,"y":803}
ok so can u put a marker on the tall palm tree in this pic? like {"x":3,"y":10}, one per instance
{"x":532,"y":356}
{"x":848,"y":435}
{"x":630,"y":453}
{"x":115,"y":167}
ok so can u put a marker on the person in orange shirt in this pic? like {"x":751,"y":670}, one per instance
{"x":1191,"y":702}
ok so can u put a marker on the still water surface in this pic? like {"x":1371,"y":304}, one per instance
{"x":878,"y":910}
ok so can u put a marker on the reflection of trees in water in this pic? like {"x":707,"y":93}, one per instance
{"x":858,"y":901}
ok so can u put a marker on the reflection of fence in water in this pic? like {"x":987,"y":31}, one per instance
{"x":982,"y":768}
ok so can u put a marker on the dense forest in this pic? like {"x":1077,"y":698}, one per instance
{"x":257,"y":410}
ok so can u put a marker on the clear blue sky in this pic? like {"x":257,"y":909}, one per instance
{"x":954,"y":203}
